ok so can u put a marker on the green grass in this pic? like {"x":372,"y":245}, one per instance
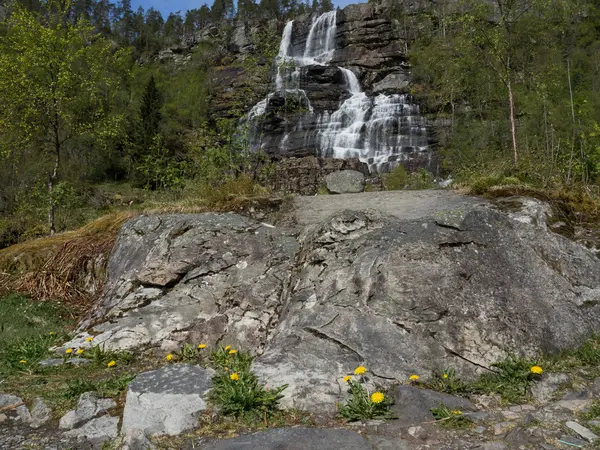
{"x":27,"y":330}
{"x":22,"y":319}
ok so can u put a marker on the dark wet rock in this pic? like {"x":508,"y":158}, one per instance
{"x":295,"y":439}
{"x":413,"y":405}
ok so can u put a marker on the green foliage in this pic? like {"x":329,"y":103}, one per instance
{"x":237,"y":391}
{"x":399,"y":179}
{"x":100,"y":356}
{"x":474,"y":61}
{"x":511,"y":380}
{"x":110,"y":387}
{"x":74,"y":388}
{"x":396,"y":179}
{"x":451,"y":418}
{"x":150,"y":115}
{"x":360,"y":404}
{"x":158,"y":169}
{"x":446,"y":381}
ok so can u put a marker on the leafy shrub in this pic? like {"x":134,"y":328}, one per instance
{"x":396,"y":179}
{"x":237,"y":391}
{"x":361,"y":405}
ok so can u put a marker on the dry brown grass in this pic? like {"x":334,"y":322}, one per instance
{"x":67,"y":266}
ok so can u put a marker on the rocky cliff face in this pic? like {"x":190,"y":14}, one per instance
{"x":457,"y":283}
{"x":341,"y":91}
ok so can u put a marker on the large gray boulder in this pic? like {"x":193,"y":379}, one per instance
{"x":345,"y":182}
{"x":459,"y":290}
{"x":460,"y":286}
{"x":196,"y":278}
{"x":166,"y":401}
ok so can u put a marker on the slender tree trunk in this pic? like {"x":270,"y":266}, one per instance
{"x":513,"y":126}
{"x":573,"y":122}
{"x":52,"y":181}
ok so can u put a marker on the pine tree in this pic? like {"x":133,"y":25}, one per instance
{"x":150,"y":115}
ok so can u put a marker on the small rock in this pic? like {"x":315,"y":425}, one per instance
{"x":544,"y":390}
{"x":417,"y":432}
{"x":480,"y":416}
{"x":510,"y":415}
{"x":135,"y":440}
{"x":480,"y":429}
{"x":503,"y":427}
{"x":573,"y":405}
{"x":54,"y":362}
{"x":3,"y":418}
{"x":582,"y":431}
{"x":493,"y":446}
{"x":167,"y":400}
{"x":40,"y":413}
{"x":576,"y":442}
{"x":577,"y":395}
{"x":306,"y":438}
{"x":521,"y":408}
{"x":345,"y":182}
{"x":88,"y":407}
{"x":96,"y":431}
{"x":413,"y":405}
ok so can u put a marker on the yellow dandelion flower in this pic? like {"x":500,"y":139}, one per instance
{"x":69,"y":351}
{"x":537,"y":370}
{"x":23,"y":361}
{"x":414,"y":378}
{"x":456,"y":412}
{"x":445,"y":376}
{"x":51,"y":333}
{"x":80,"y":351}
{"x":377,"y":397}
{"x":90,"y":339}
{"x":111,"y":364}
{"x":234,"y":376}
{"x":228,"y":347}
{"x":360,"y":370}
{"x":347,"y":378}
{"x":169,"y":357}
{"x":232,"y":352}
{"x":201,"y":346}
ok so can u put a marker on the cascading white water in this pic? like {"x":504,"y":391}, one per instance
{"x":374,"y":130}
{"x":377,"y":130}
{"x":320,"y":43}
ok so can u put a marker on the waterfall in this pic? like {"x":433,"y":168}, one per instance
{"x":374,"y":130}
{"x":378,"y":130}
{"x":320,"y":43}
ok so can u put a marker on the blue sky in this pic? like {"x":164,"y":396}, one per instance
{"x":168,"y":6}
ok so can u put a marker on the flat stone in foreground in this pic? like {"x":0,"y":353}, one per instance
{"x":166,"y":401}
{"x":296,"y":439}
